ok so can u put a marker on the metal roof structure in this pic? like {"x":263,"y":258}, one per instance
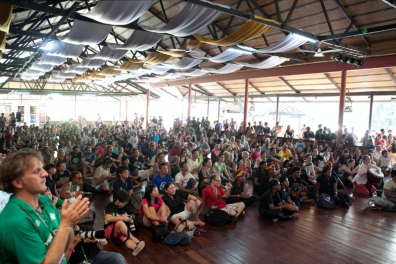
{"x":359,"y":29}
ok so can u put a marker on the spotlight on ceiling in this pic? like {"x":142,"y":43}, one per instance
{"x":337,"y":57}
{"x":344,"y":59}
{"x":358,"y":63}
{"x":351,"y":61}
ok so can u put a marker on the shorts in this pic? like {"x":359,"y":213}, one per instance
{"x":185,"y":214}
{"x":117,"y":233}
{"x":141,"y":223}
{"x":229,"y":207}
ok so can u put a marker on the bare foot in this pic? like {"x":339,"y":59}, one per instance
{"x":275,"y":220}
{"x":295,"y":215}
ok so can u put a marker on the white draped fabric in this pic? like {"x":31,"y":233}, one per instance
{"x":63,"y":74}
{"x":29,"y":77}
{"x":138,"y":41}
{"x":107,"y":53}
{"x":196,"y":72}
{"x":33,"y":72}
{"x":66,"y":50}
{"x":265,"y":64}
{"x":184,"y":63}
{"x":228,"y":68}
{"x":290,"y":42}
{"x":225,"y":56}
{"x":86,"y":33}
{"x":189,"y":21}
{"x":41,"y":67}
{"x":115,"y":12}
{"x":73,"y":69}
{"x":89,"y":63}
{"x":53,"y":78}
{"x":160,"y":69}
{"x":171,"y":76}
{"x":51,"y":60}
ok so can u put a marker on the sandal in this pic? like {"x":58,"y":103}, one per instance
{"x":197,"y":233}
{"x":139,"y":246}
{"x":201,"y":230}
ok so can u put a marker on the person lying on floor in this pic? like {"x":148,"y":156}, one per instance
{"x":153,"y":210}
{"x":237,"y":194}
{"x":273,"y":207}
{"x":179,"y":210}
{"x":117,"y":223}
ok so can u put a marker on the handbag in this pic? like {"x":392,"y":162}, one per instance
{"x":326,"y":202}
{"x":159,"y":233}
{"x":185,"y":226}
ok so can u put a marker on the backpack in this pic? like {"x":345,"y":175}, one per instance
{"x":133,"y":206}
{"x":217,"y":217}
{"x":159,"y":233}
{"x":177,"y":239}
{"x":88,"y":217}
{"x":383,"y":204}
{"x":326,"y":202}
{"x":185,"y":226}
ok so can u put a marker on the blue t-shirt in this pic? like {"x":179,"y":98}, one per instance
{"x":89,"y":160}
{"x":160,"y":182}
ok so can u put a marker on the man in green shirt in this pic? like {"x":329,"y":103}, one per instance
{"x":32,"y":231}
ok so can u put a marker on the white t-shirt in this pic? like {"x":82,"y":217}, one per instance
{"x":385,"y":162}
{"x":180,"y":178}
{"x":100,"y":172}
{"x":192,"y":165}
{"x":4,"y":197}
{"x":390,"y":185}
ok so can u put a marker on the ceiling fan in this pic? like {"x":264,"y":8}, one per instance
{"x":318,"y":52}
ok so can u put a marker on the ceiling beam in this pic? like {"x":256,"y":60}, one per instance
{"x":225,"y":88}
{"x":289,"y":85}
{"x":359,"y":33}
{"x":332,"y":81}
{"x":391,"y":75}
{"x":251,"y":17}
{"x":254,"y":87}
{"x":321,"y":67}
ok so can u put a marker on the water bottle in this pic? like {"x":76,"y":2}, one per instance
{"x":375,"y":194}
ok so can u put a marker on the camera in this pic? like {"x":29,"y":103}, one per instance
{"x":131,"y":225}
{"x":97,"y":234}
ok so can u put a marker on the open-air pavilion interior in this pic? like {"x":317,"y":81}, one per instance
{"x":236,"y":54}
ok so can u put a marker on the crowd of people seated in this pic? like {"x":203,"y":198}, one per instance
{"x":184,"y":171}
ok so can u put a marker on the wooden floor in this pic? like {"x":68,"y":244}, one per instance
{"x":357,"y":235}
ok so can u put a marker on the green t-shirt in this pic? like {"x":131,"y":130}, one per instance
{"x":221,"y":167}
{"x":26,"y":234}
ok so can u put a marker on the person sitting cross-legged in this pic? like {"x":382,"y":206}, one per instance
{"x":117,"y":219}
{"x":213,"y":196}
{"x":179,"y":210}
{"x":389,"y":192}
{"x":185,"y":180}
{"x":153,"y":210}
{"x":237,"y":194}
{"x":273,"y":207}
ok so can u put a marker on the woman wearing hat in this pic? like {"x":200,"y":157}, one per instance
{"x":237,"y":194}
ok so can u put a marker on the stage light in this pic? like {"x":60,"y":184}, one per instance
{"x":351,"y":61}
{"x":358,"y":63}
{"x":337,"y":57}
{"x":344,"y":59}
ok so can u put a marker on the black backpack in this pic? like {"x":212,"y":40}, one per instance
{"x":177,"y":239}
{"x":159,"y":233}
{"x":217,"y":218}
{"x":133,"y":206}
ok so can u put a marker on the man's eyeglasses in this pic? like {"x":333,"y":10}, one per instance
{"x":217,"y":180}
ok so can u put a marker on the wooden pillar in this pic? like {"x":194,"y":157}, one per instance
{"x":218,"y":113}
{"x":147,"y":108}
{"x":245,"y":105}
{"x":207,"y":110}
{"x":277,"y":109}
{"x":189,"y":100}
{"x":341,"y":106}
{"x":126,"y":110}
{"x":371,"y":111}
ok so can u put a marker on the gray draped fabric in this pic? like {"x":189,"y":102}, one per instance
{"x":86,"y":33}
{"x":184,"y":63}
{"x":290,"y":42}
{"x":66,"y":50}
{"x":51,"y":60}
{"x":265,"y":64}
{"x":89,"y":63}
{"x":227,"y":55}
{"x":41,"y":67}
{"x":107,"y":53}
{"x":138,"y":41}
{"x":228,"y":68}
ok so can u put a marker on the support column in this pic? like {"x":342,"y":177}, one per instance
{"x":75,"y":107}
{"x":277,"y":109}
{"x":126,"y":110}
{"x":371,"y":111}
{"x":245,"y":105}
{"x":207,"y":111}
{"x":341,"y":106}
{"x":189,"y":100}
{"x":147,"y":108}
{"x":218,"y":113}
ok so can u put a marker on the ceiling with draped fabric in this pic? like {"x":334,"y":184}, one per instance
{"x":121,"y":48}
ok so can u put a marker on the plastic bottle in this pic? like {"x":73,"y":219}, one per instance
{"x":375,"y":194}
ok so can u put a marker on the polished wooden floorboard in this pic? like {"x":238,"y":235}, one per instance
{"x":357,"y":235}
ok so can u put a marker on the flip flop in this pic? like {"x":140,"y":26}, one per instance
{"x":197,"y":233}
{"x":139,"y":246}
{"x":203,"y":231}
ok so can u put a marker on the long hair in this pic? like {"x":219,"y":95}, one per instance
{"x":147,"y":194}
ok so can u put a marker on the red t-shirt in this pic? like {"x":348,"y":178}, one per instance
{"x":156,"y":206}
{"x":209,"y":197}
{"x":175,"y":151}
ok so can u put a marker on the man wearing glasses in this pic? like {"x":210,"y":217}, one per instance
{"x":214,"y":194}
